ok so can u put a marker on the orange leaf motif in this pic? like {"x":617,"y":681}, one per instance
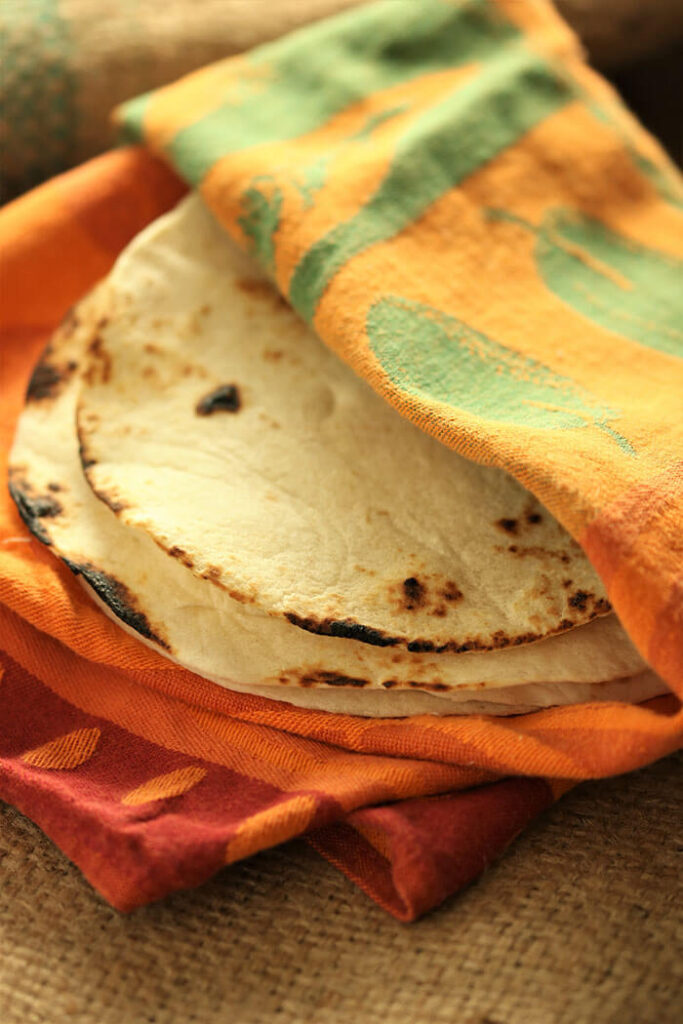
{"x":66,"y":751}
{"x":272,"y":826}
{"x":173,"y":783}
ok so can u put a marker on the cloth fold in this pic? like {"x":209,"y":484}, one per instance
{"x":151,"y":778}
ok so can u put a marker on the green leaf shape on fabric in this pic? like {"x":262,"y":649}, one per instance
{"x":436,"y":357}
{"x":313,"y":177}
{"x":619,"y":284}
{"x":260,"y":221}
{"x":294,"y":85}
{"x":439,"y":148}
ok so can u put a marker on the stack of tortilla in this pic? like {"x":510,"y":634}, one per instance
{"x":234,"y":494}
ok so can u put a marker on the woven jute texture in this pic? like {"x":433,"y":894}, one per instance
{"x":67,"y":63}
{"x":579,"y":923}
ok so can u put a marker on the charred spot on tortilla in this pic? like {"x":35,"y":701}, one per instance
{"x":508,"y":525}
{"x":345,"y":628}
{"x":118,"y":598}
{"x":451,"y":592}
{"x":115,"y":504}
{"x":413,"y":593}
{"x":87,"y":460}
{"x":225,"y":398}
{"x":33,"y":508}
{"x":213,"y":574}
{"x":52,"y":486}
{"x":331,"y":679}
{"x":582,"y":599}
{"x":536,"y":551}
{"x":534,"y":518}
{"x":100,"y":367}
{"x":182,"y":556}
{"x":48,"y":377}
{"x":433,"y":687}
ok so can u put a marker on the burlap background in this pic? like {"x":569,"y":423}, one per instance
{"x":580,"y":923}
{"x":67,"y":63}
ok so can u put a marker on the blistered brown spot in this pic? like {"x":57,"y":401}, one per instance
{"x":33,"y":508}
{"x":508,"y":525}
{"x":261,"y":289}
{"x":582,"y":600}
{"x":48,"y":377}
{"x":87,"y":460}
{"x":413,"y":593}
{"x":431,"y":687}
{"x":272,"y":355}
{"x":182,"y":556}
{"x":536,"y":551}
{"x":55,"y":488}
{"x":534,"y":518}
{"x":566,"y":583}
{"x":451,"y":592}
{"x":117,"y":596}
{"x":116,"y":504}
{"x":424,"y":592}
{"x":225,"y":398}
{"x":331,"y":679}
{"x":152,"y":349}
{"x":99,"y":370}
{"x":109,"y":495}
{"x":213,"y":574}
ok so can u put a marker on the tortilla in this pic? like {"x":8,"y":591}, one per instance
{"x":214,"y":419}
{"x":240,"y":645}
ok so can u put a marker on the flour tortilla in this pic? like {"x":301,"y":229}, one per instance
{"x":314,"y":501}
{"x":243,"y":647}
